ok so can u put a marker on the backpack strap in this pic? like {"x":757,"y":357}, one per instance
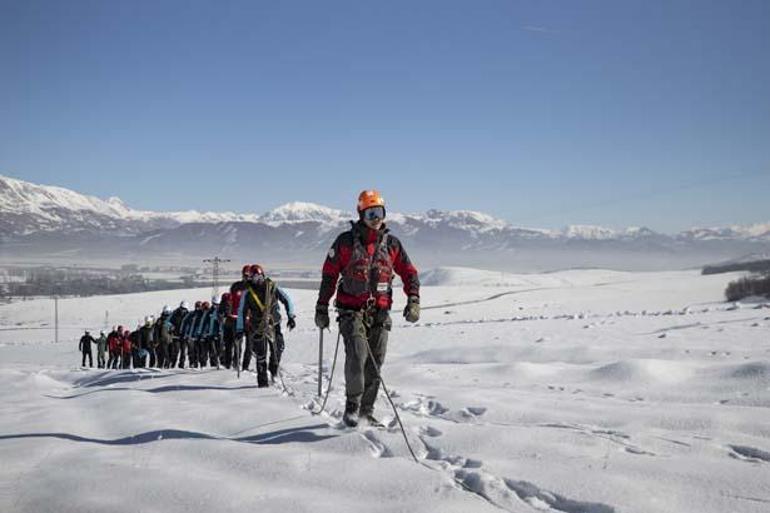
{"x":255,"y":297}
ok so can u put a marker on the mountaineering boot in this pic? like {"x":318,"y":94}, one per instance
{"x":371,"y":420}
{"x":350,"y":418}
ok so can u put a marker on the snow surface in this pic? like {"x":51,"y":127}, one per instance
{"x":579,"y":391}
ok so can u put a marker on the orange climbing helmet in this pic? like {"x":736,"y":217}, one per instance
{"x":369,"y":199}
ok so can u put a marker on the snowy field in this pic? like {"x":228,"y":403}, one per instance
{"x":577,"y":391}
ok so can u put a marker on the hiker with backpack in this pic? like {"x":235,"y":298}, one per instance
{"x":255,"y":319}
{"x":101,"y":348}
{"x":366,"y":257}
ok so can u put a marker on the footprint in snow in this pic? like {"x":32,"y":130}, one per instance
{"x":430,"y":431}
{"x":476,"y":411}
{"x":751,"y":454}
{"x":376,"y":447}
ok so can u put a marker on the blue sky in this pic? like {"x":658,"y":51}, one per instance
{"x":543,"y":113}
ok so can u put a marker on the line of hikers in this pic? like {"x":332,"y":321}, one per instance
{"x":208,"y":335}
{"x":358,"y":272}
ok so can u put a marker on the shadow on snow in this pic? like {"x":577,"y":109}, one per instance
{"x":157,"y":390}
{"x":301,"y":434}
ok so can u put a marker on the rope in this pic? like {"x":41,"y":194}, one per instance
{"x":331,"y":377}
{"x":278,"y":367}
{"x":387,"y":394}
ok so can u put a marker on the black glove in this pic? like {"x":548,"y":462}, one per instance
{"x":291,"y":323}
{"x":322,"y":316}
{"x":412,"y":309}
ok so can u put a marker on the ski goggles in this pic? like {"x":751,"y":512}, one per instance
{"x":374,"y":213}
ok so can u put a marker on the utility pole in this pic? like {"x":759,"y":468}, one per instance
{"x":215,"y":273}
{"x":56,"y":318}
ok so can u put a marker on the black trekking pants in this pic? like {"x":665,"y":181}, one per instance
{"x":362,"y":381}
{"x":173,"y":352}
{"x":192,"y":352}
{"x":276,"y":350}
{"x":203,"y":345}
{"x":162,"y":353}
{"x":258,"y":344}
{"x":153,"y":356}
{"x":90,"y":359}
{"x":247,"y":349}
{"x":184,"y":343}
{"x":227,"y":356}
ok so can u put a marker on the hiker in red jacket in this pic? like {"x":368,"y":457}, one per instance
{"x":125,"y":345}
{"x":366,"y":258}
{"x":114,"y":342}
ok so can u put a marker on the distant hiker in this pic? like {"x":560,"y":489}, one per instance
{"x":126,"y":354}
{"x":162,"y":336}
{"x":208,"y":335}
{"x":215,"y":333}
{"x":198,"y":336}
{"x":101,"y":348}
{"x":176,"y":318}
{"x":136,"y":345}
{"x":291,"y":323}
{"x":147,"y":343}
{"x":365,"y":257}
{"x":227,"y":320}
{"x":85,"y":347}
{"x":114,"y":344}
{"x":187,"y":347}
{"x":236,"y":293}
{"x":256,"y":320}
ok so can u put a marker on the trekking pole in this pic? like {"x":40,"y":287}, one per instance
{"x":331,"y":377}
{"x":320,"y":358}
{"x":238,"y":348}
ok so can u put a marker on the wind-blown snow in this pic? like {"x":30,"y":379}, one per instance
{"x":581,"y":391}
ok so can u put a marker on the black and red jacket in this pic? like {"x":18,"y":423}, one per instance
{"x":236,"y":293}
{"x":361,"y":265}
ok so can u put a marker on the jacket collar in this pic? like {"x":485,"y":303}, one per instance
{"x":366,"y":234}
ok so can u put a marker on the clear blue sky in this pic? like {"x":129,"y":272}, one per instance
{"x":540,"y":112}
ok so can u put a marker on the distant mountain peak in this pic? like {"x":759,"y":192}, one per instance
{"x":301,"y":211}
{"x":588,"y":232}
{"x":466,"y":219}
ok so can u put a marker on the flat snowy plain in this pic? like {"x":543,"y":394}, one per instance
{"x":577,"y":391}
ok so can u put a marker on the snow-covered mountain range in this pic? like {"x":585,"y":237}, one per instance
{"x":61,"y":219}
{"x":26,"y":208}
